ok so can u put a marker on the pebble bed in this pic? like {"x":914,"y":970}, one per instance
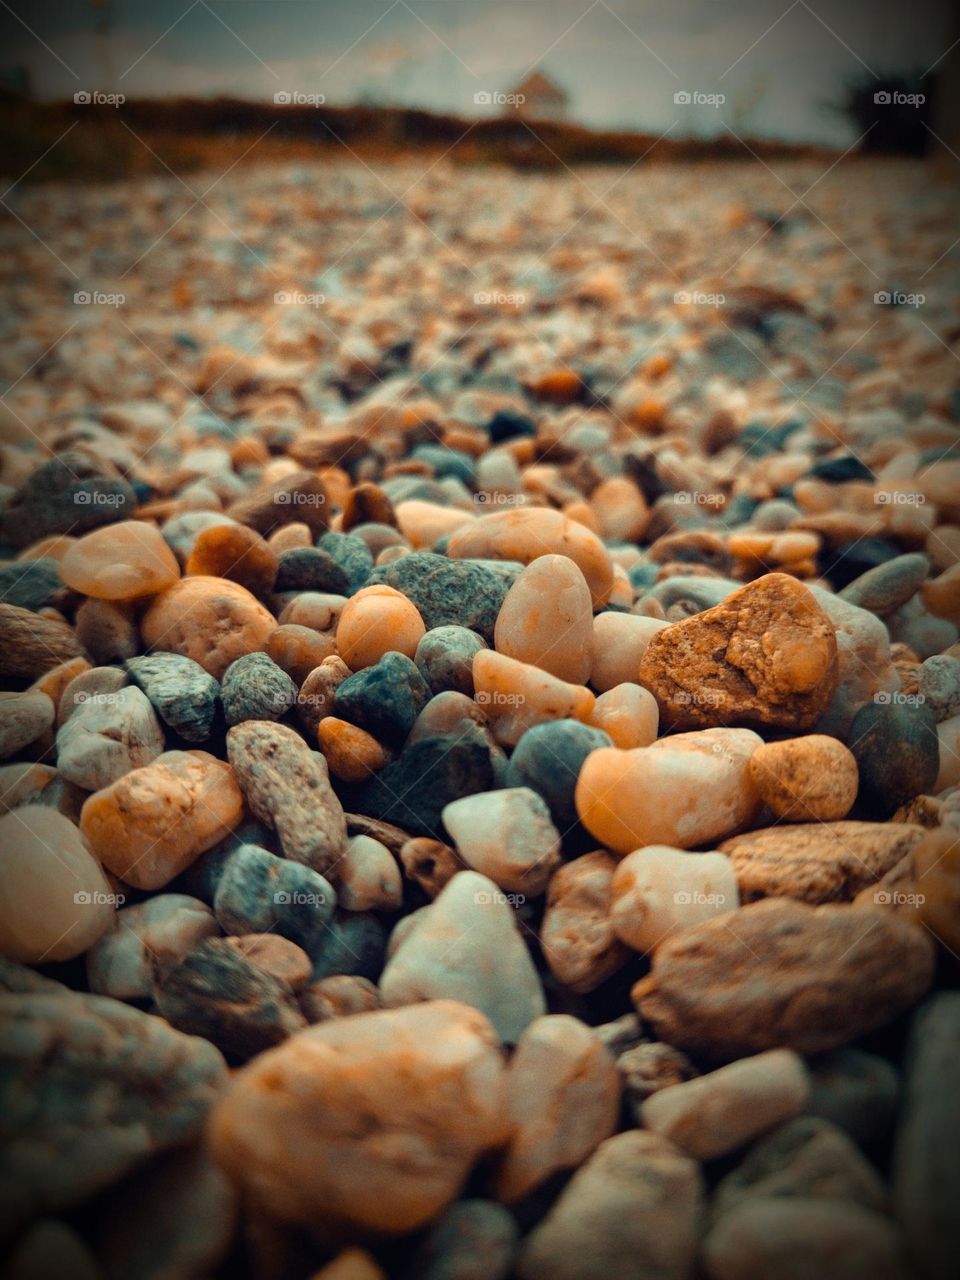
{"x":480,"y":778}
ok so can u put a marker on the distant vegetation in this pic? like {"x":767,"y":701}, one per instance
{"x":892,"y":111}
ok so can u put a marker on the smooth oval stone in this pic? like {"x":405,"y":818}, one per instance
{"x":369,"y":877}
{"x":548,"y":759}
{"x":506,"y":835}
{"x":444,"y":657}
{"x":884,"y":589}
{"x":56,"y":902}
{"x":233,"y":551}
{"x":516,"y":696}
{"x":806,"y":779}
{"x":547,"y":619}
{"x":23,"y":718}
{"x":106,"y":736}
{"x":628,"y":714}
{"x":681,"y":791}
{"x":618,"y":644}
{"x":120,"y":562}
{"x":657,"y":891}
{"x":897,"y":752}
{"x":376,"y":621}
{"x":211,"y":620}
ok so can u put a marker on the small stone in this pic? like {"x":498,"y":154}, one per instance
{"x":107,"y":735}
{"x":211,"y":620}
{"x":473,"y":1240}
{"x":721,"y":1111}
{"x":926,"y":1164}
{"x":617,"y":647}
{"x":865,"y":668}
{"x":182,"y":694}
{"x":319,"y":610}
{"x":817,"y":861}
{"x":516,"y":696}
{"x":287,"y":787}
{"x":806,"y":1239}
{"x":315,"y":699}
{"x":941,"y":594}
{"x":144,"y":941}
{"x":577,"y":936}
{"x":301,"y":1129}
{"x":121,"y":562}
{"x":32,"y":584}
{"x":657,"y":891}
{"x":56,"y":900}
{"x":299,"y":650}
{"x":766,"y":656}
{"x":525,"y":535}
{"x":297,"y":498}
{"x":108,"y":630}
{"x":257,"y":892}
{"x":806,"y":779}
{"x":376,"y":621}
{"x":897,"y":753}
{"x":310,"y":569}
{"x":26,"y":783}
{"x":548,"y":759}
{"x":546,"y":619}
{"x":93,"y":685}
{"x":806,"y":1157}
{"x":385,"y":699}
{"x":648,"y":1068}
{"x":424,"y":524}
{"x":368,"y":876}
{"x":108,"y":1087}
{"x":254,"y":688}
{"x":856,"y":1091}
{"x":65,"y":494}
{"x":31,"y":644}
{"x":686,"y":790}
{"x":631,"y":1210}
{"x":237,"y":553}
{"x":352,"y":754}
{"x":886,"y":588}
{"x":24,"y":717}
{"x":154,"y":822}
{"x":444,"y":657}
{"x":938,"y":683}
{"x":466,"y":946}
{"x":506,"y":835}
{"x":354,"y":945}
{"x":628,"y":714}
{"x":448,"y":592}
{"x":563,"y":1097}
{"x":351,"y":554}
{"x":781,"y":973}
{"x":338,"y":997}
{"x":429,"y":863}
{"x":279,"y":957}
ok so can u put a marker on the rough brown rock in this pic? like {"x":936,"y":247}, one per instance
{"x":811,"y":779}
{"x":31,"y":644}
{"x":765,"y":656}
{"x":579,"y":943}
{"x":301,"y":497}
{"x":817,"y":861}
{"x":211,"y":620}
{"x":780,"y":973}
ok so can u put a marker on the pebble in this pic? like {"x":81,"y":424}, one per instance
{"x":886,"y":588}
{"x":211,"y":620}
{"x":108,"y":630}
{"x":635,"y":1202}
{"x":657,"y":891}
{"x":368,"y":876}
{"x":255,"y":688}
{"x":579,"y":942}
{"x":938,"y":683}
{"x":818,"y":862}
{"x":64,"y":494}
{"x":806,"y":779}
{"x":124,"y":561}
{"x":56,"y":900}
{"x":897,"y":752}
{"x":319,"y":610}
{"x":338,"y":997}
{"x":467,"y":946}
{"x":472,"y":1240}
{"x":384,"y":699}
{"x":647,"y":1068}
{"x":24,"y":717}
{"x":300,"y":497}
{"x":791,"y":976}
{"x":286,"y":786}
{"x":548,"y":759}
{"x":351,"y":553}
{"x":31,"y":644}
{"x":279,"y":957}
{"x":144,"y":941}
{"x":941,"y":594}
{"x":628,"y":714}
{"x":431,"y":864}
{"x":431,"y":1075}
{"x":858,"y":1092}
{"x":106,"y":736}
{"x":546,"y":619}
{"x":22,"y":784}
{"x":766,"y":656}
{"x":152,"y":823}
{"x":31,"y":585}
{"x":81,"y":1126}
{"x":448,"y":592}
{"x":232,"y":551}
{"x":315,"y":699}
{"x":377,"y":621}
{"x":723,"y":1110}
{"x":686,"y":790}
{"x":563,"y":1099}
{"x":224,"y":996}
{"x":257,"y":892}
{"x":506,"y":835}
{"x":864,"y":665}
{"x":354,"y":945}
{"x":310,"y":569}
{"x":351,"y":753}
{"x":516,"y":695}
{"x":525,"y":535}
{"x":91,"y":685}
{"x":617,"y":647}
{"x":183,"y":695}
{"x":444,"y":657}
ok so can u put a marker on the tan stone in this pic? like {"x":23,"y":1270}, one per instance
{"x":629,"y":714}
{"x":351,"y":753}
{"x":375,"y":621}
{"x":212,"y":620}
{"x":546,"y":619}
{"x":120,"y":562}
{"x":31,"y":644}
{"x":516,"y":695}
{"x":579,"y":943}
{"x":806,"y":779}
{"x":657,"y":891}
{"x":618,"y":644}
{"x":237,"y":553}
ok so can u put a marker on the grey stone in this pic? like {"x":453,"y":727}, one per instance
{"x":255,"y":688}
{"x":258,"y":892}
{"x":548,"y":759}
{"x":897,"y":752}
{"x":448,"y":592}
{"x":445,"y":656}
{"x":31,"y":584}
{"x":183,"y":695}
{"x":351,"y":554}
{"x":384,"y":699}
{"x":473,"y":1240}
{"x":64,"y":495}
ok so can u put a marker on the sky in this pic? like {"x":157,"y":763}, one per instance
{"x":777,"y":64}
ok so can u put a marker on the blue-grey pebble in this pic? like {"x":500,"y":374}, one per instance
{"x":183,"y":695}
{"x":548,"y":759}
{"x":255,"y":688}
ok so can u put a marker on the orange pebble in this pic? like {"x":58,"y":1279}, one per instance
{"x":351,"y":753}
{"x":290,"y":536}
{"x":298,"y":650}
{"x":234,"y":552}
{"x":377,"y":620}
{"x":249,"y":452}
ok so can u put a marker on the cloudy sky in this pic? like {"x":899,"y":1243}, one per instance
{"x":778,"y":63}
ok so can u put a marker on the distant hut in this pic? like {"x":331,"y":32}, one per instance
{"x":537,"y":98}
